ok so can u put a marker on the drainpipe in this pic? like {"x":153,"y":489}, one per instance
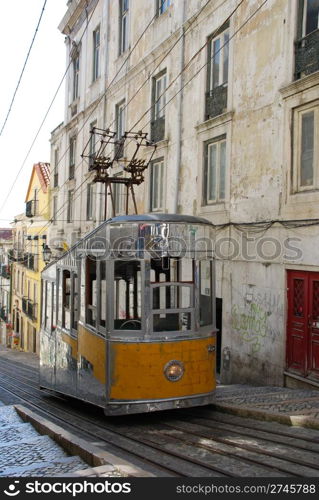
{"x":180,"y":113}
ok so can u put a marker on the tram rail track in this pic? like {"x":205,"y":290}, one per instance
{"x":187,"y":443}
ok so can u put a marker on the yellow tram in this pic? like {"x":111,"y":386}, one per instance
{"x":129,"y":313}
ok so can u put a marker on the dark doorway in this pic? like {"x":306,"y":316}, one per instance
{"x":219,"y":316}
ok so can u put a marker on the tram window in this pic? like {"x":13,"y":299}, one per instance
{"x":74,"y":320}
{"x":59,"y":298}
{"x":127,"y":295}
{"x":44,"y":301}
{"x":102,"y":294}
{"x":53,"y":307}
{"x":91,"y":291}
{"x":48,"y":311}
{"x":66,"y":298}
{"x":172,"y":322}
{"x":172,"y":269}
{"x":172,"y":297}
{"x":205,"y":296}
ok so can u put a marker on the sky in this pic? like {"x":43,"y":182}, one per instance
{"x":43,"y":73}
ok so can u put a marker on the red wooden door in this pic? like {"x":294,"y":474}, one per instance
{"x":303,"y":323}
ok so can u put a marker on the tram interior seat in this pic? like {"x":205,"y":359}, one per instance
{"x":127,"y":324}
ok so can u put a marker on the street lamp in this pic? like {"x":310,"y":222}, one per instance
{"x":46,"y":252}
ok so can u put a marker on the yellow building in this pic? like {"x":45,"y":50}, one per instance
{"x":29,"y":242}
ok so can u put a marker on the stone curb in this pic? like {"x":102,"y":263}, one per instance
{"x":74,"y":445}
{"x":292,"y":420}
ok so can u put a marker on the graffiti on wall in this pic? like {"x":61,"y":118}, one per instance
{"x":250,"y":324}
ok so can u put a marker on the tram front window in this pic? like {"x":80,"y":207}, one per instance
{"x":172,"y":283}
{"x":127,"y":295}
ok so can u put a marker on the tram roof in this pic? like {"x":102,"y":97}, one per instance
{"x":159,"y":218}
{"x":171,"y":218}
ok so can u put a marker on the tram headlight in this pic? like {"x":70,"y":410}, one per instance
{"x":174,"y":370}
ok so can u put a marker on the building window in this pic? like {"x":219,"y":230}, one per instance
{"x":158,"y":107}
{"x":54,"y":209}
{"x":72,"y":150}
{"x":162,"y":6}
{"x":156,"y":185}
{"x":70,"y":207}
{"x":124,"y":5}
{"x":120,"y":130}
{"x":306,"y":154}
{"x":217,"y":73}
{"x":96,"y":54}
{"x":56,"y":168}
{"x":76,"y":72}
{"x":119,"y":197}
{"x":214,"y":185}
{"x":307,"y":43}
{"x":92,"y":145}
{"x":90,"y":201}
{"x":91,"y":290}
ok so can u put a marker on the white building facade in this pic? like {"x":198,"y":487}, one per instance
{"x":229,"y":91}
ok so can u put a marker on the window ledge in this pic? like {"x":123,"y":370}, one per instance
{"x":214,"y":122}
{"x":301,"y":85}
{"x":222,"y":207}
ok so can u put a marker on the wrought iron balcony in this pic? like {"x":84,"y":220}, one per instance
{"x":29,"y":308}
{"x":307,"y":55}
{"x":158,"y":129}
{"x":216,"y":101}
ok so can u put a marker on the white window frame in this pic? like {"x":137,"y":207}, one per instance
{"x":162,"y":6}
{"x":157,"y":185}
{"x":76,"y":74}
{"x":70,"y":207}
{"x":90,"y":201}
{"x":221,"y":54}
{"x":96,"y":53}
{"x":72,"y":153}
{"x":159,"y":95}
{"x":219,"y":144}
{"x":298,"y":114}
{"x":120,"y":119}
{"x":124,"y":26}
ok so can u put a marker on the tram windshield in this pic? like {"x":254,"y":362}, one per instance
{"x":172,"y":285}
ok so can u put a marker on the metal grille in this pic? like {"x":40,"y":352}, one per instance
{"x":299,"y":293}
{"x":216,"y":101}
{"x":307,"y":55}
{"x":315,"y":298}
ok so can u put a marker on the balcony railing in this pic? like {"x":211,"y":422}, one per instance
{"x":29,"y":308}
{"x":15,"y":255}
{"x":216,"y":101}
{"x":30,"y":261}
{"x":158,"y":129}
{"x":307,"y":55}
